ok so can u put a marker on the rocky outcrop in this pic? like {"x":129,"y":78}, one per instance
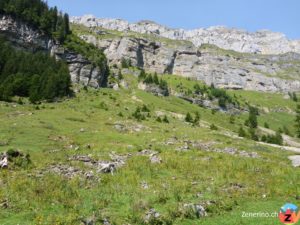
{"x":27,"y":37}
{"x":22,"y":35}
{"x":263,"y":42}
{"x":223,"y":68}
{"x":82,"y":71}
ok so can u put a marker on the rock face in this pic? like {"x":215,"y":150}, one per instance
{"x":263,"y":42}
{"x":23,"y":35}
{"x":223,"y":68}
{"x":26,"y":37}
{"x":82,"y":71}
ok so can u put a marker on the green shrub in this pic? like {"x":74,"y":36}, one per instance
{"x":273,"y":139}
{"x":213,"y":127}
{"x":252,"y":118}
{"x":266,"y":125}
{"x":232,"y":119}
{"x":253,"y":135}
{"x":242,"y":132}
{"x":197,"y":119}
{"x":126,"y":63}
{"x":165,"y":119}
{"x":145,"y":109}
{"x":189,"y":118}
{"x":138,"y":114}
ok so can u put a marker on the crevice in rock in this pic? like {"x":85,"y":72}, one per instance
{"x":78,"y":75}
{"x":90,"y":75}
{"x":169,"y":69}
{"x":140,"y":57}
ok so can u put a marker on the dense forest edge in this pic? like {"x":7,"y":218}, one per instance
{"x":38,"y":75}
{"x":34,"y":75}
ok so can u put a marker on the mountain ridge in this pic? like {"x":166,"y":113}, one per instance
{"x":260,"y":42}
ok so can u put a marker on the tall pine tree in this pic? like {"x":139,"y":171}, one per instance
{"x":297,"y":125}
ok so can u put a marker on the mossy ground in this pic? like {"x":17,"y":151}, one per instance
{"x":193,"y":176}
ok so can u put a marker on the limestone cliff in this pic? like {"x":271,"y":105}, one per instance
{"x":264,"y":41}
{"x":224,"y":68}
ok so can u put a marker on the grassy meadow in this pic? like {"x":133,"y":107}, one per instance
{"x":226,"y":184}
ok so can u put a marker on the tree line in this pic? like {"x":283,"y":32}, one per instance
{"x":38,"y":14}
{"x":34,"y":75}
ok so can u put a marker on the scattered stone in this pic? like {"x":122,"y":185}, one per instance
{"x":234,"y":151}
{"x":107,"y":167}
{"x":147,"y":152}
{"x":131,"y":128}
{"x":120,"y":127}
{"x":236,"y":186}
{"x":74,"y":147}
{"x":202,"y":146}
{"x":3,"y":161}
{"x":11,"y":156}
{"x":106,"y":222}
{"x":119,"y":159}
{"x":249,"y":154}
{"x":89,"y":221}
{"x":185,"y":147}
{"x":4,"y":204}
{"x":81,"y":158}
{"x":172,"y":141}
{"x":295,"y":160}
{"x":65,"y":170}
{"x":144,"y":185}
{"x":151,"y":216}
{"x":57,"y":138}
{"x":199,"y":195}
{"x":207,"y":158}
{"x":153,"y":155}
{"x":102,"y":166}
{"x":196,"y":209}
{"x":89,"y":175}
{"x":155,"y":159}
{"x":116,"y":87}
{"x":233,"y":187}
{"x":82,"y":129}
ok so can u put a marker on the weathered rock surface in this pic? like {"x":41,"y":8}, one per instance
{"x":26,"y":37}
{"x":23,"y":35}
{"x":223,"y":68}
{"x":196,"y":209}
{"x":264,"y":41}
{"x":82,"y":71}
{"x":295,"y":160}
{"x":3,"y":161}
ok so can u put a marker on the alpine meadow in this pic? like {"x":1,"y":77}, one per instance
{"x":105,"y":121}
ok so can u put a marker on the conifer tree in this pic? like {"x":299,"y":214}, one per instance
{"x":297,"y":125}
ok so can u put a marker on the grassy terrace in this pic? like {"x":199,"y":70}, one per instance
{"x":112,"y":34}
{"x":231,"y":183}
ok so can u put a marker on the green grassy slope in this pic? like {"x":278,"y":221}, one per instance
{"x":230,"y":183}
